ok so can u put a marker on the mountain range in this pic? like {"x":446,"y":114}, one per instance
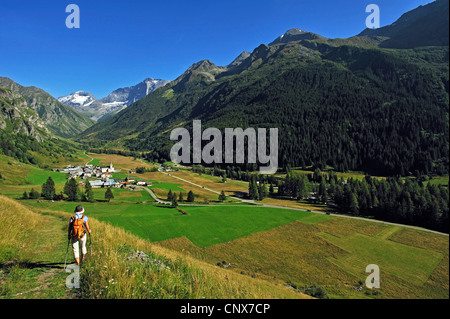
{"x":376,"y":102}
{"x":59,"y":119}
{"x":101,"y":109}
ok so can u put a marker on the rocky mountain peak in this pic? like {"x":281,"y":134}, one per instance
{"x":295,"y":35}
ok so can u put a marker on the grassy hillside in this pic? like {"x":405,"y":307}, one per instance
{"x":333,"y":254}
{"x":31,"y":264}
{"x":17,"y":177}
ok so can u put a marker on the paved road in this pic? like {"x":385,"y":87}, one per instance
{"x":312,"y":211}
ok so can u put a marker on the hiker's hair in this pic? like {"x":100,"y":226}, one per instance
{"x":79,"y":208}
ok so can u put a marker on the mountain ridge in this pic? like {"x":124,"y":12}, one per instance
{"x":423,"y":26}
{"x":117,"y":100}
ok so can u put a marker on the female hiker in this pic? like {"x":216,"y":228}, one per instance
{"x":77,"y":233}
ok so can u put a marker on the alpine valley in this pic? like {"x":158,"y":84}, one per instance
{"x":361,"y":190}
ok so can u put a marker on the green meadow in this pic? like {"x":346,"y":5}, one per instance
{"x":409,"y":263}
{"x":38,"y":177}
{"x":204,"y":226}
{"x":123,"y":195}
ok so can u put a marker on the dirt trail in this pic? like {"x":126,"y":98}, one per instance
{"x":43,"y":276}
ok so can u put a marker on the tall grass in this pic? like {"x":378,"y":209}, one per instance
{"x":18,"y":231}
{"x":111,"y":273}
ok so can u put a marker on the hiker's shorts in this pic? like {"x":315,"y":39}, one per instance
{"x":76,"y":249}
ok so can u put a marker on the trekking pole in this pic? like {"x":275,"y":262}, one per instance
{"x":90,"y":244}
{"x":67,"y":251}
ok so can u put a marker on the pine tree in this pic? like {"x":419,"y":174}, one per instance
{"x":190,"y":197}
{"x":180,"y":198}
{"x":222,"y":196}
{"x":352,"y":202}
{"x":253,"y":189}
{"x":89,"y":192}
{"x":174,"y":201}
{"x":262,"y":191}
{"x":109,"y":194}
{"x":322,"y":191}
{"x":170,"y":195}
{"x":71,"y":190}
{"x":48,"y":189}
{"x":256,"y":192}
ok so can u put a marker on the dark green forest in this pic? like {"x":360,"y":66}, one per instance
{"x":384,"y":112}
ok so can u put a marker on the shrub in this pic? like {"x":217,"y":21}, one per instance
{"x":316,"y":292}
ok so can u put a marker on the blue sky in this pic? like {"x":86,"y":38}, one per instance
{"x":120,"y":43}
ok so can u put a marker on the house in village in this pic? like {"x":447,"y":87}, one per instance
{"x":103,"y":183}
{"x":130,"y":180}
{"x":119,"y":182}
{"x":96,"y":184}
{"x":106,"y":175}
{"x":141,"y":182}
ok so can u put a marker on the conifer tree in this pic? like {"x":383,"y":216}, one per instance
{"x":190,"y":197}
{"x":71,"y":190}
{"x":109,"y":194}
{"x":222,"y":196}
{"x":48,"y":189}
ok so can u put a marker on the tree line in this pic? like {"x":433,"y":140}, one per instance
{"x":71,"y":189}
{"x":413,"y":200}
{"x":409,"y":201}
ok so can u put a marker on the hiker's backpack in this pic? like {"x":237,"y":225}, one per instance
{"x":78,"y":230}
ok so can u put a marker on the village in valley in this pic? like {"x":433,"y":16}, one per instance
{"x":103,"y":176}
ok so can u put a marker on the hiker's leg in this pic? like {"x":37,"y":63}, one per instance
{"x":83,"y":246}
{"x":76,"y":251}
